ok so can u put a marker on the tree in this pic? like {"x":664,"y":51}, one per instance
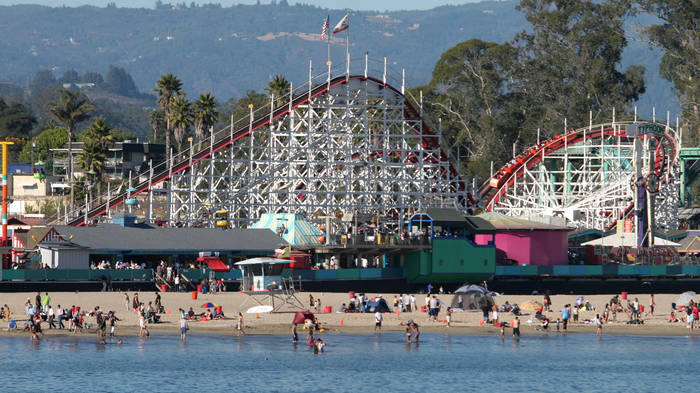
{"x":70,"y":76}
{"x":91,"y":160}
{"x":168,"y":87}
{"x":205,"y":115}
{"x":157,"y":121}
{"x":473,"y":96}
{"x":52,"y":138}
{"x":570,"y":59}
{"x":180,"y":117}
{"x":71,"y":109}
{"x":279,"y":87}
{"x":15,"y":120}
{"x":678,"y":35}
{"x":118,"y":81}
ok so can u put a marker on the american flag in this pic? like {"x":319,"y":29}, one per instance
{"x":324,"y":28}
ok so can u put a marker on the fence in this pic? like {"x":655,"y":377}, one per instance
{"x":598,"y":270}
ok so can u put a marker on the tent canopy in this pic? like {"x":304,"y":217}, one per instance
{"x":626,"y":240}
{"x":302,"y":316}
{"x":472,"y":297}
{"x":216,"y":264}
{"x":472,"y":288}
{"x":297,"y":230}
{"x":377,"y":305}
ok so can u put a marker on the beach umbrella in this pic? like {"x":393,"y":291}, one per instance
{"x":531,"y":305}
{"x":685,"y":298}
{"x":210,"y":305}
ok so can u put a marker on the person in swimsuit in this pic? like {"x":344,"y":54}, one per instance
{"x":239,"y":324}
{"x":516,"y":328}
{"x":408,"y":334}
{"x":295,"y":336}
{"x":599,"y":325}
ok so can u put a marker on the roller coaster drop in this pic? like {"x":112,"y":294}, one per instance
{"x":352,"y":143}
{"x":349,"y":143}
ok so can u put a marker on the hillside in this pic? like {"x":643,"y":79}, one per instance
{"x":230,"y":50}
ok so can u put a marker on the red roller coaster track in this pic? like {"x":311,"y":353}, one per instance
{"x":429,"y":140}
{"x":505,"y":177}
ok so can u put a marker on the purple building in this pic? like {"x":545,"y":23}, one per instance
{"x":521,"y":241}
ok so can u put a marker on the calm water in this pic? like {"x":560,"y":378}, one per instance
{"x":353,"y":363}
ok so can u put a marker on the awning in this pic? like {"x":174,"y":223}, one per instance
{"x":626,"y":240}
{"x":216,"y":265}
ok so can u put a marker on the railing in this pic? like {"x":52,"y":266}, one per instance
{"x":377,"y":68}
{"x":598,"y":270}
{"x":76,"y":275}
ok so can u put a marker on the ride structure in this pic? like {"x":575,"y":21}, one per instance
{"x":343,"y":143}
{"x":594,"y":176}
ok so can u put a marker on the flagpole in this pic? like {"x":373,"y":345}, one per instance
{"x":328,"y":36}
{"x":347,"y":42}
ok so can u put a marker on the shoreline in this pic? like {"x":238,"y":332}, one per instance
{"x":285,"y":329}
{"x":463,"y":323}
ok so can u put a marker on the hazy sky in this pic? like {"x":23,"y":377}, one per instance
{"x":336,"y":4}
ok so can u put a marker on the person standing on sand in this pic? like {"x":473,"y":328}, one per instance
{"x":126,"y":301}
{"x":311,"y":301}
{"x":239,"y":324}
{"x":652,"y":304}
{"x":396,"y":304}
{"x":565,"y":313}
{"x":516,"y":328}
{"x":448,"y":316}
{"x":378,"y":321}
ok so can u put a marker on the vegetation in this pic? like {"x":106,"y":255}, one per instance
{"x":168,"y":88}
{"x":71,"y":109}
{"x":180,"y":118}
{"x":205,"y":116}
{"x":279,"y":88}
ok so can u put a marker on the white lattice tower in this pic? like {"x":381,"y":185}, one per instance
{"x":354,"y":150}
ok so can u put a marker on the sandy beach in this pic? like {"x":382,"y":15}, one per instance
{"x":349,"y":323}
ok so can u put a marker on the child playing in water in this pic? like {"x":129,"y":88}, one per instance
{"x":318,"y":348}
{"x":408,"y":334}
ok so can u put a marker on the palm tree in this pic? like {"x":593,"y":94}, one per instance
{"x":205,"y":115}
{"x":180,"y":118}
{"x":91,"y":160}
{"x":168,"y":87}
{"x":99,"y":137}
{"x":279,"y":86}
{"x":156,"y":119}
{"x":71,"y":109}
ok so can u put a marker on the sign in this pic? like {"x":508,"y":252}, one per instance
{"x":620,"y":226}
{"x":628,"y":225}
{"x":640,"y":129}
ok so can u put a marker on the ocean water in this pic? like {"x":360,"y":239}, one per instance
{"x":353,"y":363}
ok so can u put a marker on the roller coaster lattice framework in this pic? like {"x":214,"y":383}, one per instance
{"x":343,"y":142}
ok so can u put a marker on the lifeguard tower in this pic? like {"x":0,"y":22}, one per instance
{"x":263,"y":282}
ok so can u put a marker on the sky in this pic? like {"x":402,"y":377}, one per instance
{"x":380,"y":5}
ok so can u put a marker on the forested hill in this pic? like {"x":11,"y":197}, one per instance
{"x":230,"y":50}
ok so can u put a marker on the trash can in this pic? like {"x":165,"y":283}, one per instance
{"x":194,"y":295}
{"x":199,"y":288}
{"x":327,"y":309}
{"x":163,"y":287}
{"x":351,"y":294}
{"x":624,"y":295}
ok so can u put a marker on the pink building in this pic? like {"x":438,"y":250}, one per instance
{"x":522,"y":241}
